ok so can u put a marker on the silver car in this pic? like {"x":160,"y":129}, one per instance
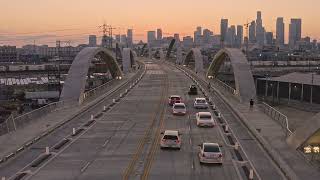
{"x":170,"y":139}
{"x":210,"y":153}
{"x":179,"y":109}
{"x":205,"y":119}
{"x":200,"y":103}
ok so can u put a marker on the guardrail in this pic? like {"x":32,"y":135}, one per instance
{"x":98,"y":90}
{"x":277,"y":116}
{"x":14,"y":123}
{"x":225,"y":86}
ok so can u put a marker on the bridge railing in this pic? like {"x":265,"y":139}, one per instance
{"x":87,"y":96}
{"x":277,"y":116}
{"x":13,"y":123}
{"x":225,"y":87}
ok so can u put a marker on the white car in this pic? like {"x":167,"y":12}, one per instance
{"x":210,"y":153}
{"x":170,"y":139}
{"x":179,"y":109}
{"x":200,"y":103}
{"x":205,"y":119}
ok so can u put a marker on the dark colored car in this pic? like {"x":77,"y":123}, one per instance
{"x":193,"y":90}
{"x":174,"y":99}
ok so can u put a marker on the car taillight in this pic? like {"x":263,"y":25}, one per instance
{"x":177,"y":141}
{"x":203,"y":155}
{"x":220,"y":155}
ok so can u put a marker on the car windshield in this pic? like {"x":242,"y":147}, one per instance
{"x":175,"y":98}
{"x":179,"y":107}
{"x":205,"y":116}
{"x":201,"y":101}
{"x":211,"y":148}
{"x":170,"y":137}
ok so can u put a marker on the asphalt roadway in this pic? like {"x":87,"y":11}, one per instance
{"x":123,"y":143}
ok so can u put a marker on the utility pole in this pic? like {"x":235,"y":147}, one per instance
{"x":110,"y":34}
{"x":107,"y":34}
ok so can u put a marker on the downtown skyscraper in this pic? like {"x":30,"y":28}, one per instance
{"x":294,"y":32}
{"x":252,"y":32}
{"x":260,"y":31}
{"x":280,"y":31}
{"x":223,"y":29}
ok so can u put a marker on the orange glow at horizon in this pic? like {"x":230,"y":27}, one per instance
{"x":22,"y":22}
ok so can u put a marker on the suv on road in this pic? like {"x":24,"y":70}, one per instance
{"x":193,"y":90}
{"x":170,"y":139}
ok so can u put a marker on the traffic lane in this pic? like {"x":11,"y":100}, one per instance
{"x":261,"y":161}
{"x":118,"y":161}
{"x":118,"y":151}
{"x":174,"y":164}
{"x":184,"y":164}
{"x":26,"y":157}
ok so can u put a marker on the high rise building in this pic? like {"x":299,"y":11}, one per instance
{"x":92,"y":40}
{"x":207,"y":36}
{"x":260,"y":32}
{"x":252,"y":32}
{"x":269,"y":38}
{"x":130,"y":37}
{"x":294,"y":32}
{"x":231,"y":36}
{"x":159,"y":34}
{"x":151,"y":37}
{"x":176,"y":36}
{"x":198,"y":36}
{"x":239,"y":37}
{"x":223,"y":29}
{"x":124,"y":40}
{"x":187,"y":42}
{"x":280,"y":31}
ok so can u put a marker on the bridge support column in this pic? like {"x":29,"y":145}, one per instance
{"x":311,"y":94}
{"x":278,"y":87}
{"x":301,"y":97}
{"x":289,"y":98}
{"x":266,"y":89}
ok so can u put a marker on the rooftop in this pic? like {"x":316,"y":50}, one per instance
{"x":296,"y":77}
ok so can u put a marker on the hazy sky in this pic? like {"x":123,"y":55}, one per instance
{"x":23,"y":21}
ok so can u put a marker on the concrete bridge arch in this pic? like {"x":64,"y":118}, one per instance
{"x":128,"y":59}
{"x":74,"y":85}
{"x":194,"y":56}
{"x":244,"y":82}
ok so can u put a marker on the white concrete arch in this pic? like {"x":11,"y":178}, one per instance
{"x":74,"y":85}
{"x":244,"y":82}
{"x":128,"y":59}
{"x":194,"y":55}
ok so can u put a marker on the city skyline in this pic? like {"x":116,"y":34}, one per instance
{"x":76,"y":28}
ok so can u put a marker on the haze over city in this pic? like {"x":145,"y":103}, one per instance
{"x":23,"y":22}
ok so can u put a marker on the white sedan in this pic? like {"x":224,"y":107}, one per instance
{"x":170,"y":139}
{"x":179,"y":109}
{"x":210,"y":153}
{"x":205,"y":119}
{"x":200,"y":103}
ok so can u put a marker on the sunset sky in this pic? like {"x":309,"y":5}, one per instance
{"x":45,"y":21}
